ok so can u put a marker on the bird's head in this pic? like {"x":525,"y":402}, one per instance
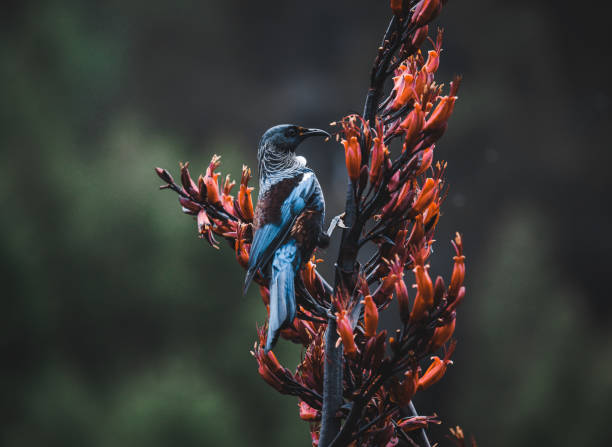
{"x":278,"y":144}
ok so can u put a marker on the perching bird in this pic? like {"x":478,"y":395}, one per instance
{"x":288,"y":220}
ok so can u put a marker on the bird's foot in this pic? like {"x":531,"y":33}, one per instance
{"x":336,"y":222}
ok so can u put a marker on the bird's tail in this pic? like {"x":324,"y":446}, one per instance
{"x":282,"y":292}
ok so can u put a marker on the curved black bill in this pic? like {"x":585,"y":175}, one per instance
{"x":304,"y":133}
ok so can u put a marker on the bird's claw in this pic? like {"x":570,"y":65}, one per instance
{"x":336,"y":222}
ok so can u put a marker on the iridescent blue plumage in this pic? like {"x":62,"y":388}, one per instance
{"x":288,"y":220}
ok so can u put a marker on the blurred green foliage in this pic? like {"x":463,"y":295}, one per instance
{"x":120,"y":327}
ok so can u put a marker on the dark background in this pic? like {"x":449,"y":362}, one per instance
{"x":119,"y":327}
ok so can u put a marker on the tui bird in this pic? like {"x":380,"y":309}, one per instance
{"x":288,"y":220}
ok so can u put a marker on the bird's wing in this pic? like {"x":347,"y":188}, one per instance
{"x":271,"y":235}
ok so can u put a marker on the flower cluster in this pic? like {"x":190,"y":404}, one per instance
{"x":396,"y":191}
{"x":217,"y":211}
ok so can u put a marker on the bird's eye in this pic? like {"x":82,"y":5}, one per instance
{"x":292,"y":132}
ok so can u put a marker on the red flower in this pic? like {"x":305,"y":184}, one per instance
{"x":212,"y":181}
{"x":352,"y":153}
{"x":345,"y":331}
{"x":245,"y":202}
{"x":370,"y":317}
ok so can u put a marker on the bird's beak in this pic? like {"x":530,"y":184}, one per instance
{"x":305,"y":133}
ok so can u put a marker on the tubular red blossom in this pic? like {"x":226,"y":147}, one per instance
{"x":433,"y":61}
{"x":441,"y":113}
{"x":434,"y":373}
{"x":427,"y":194}
{"x":424,"y":284}
{"x":413,"y":124}
{"x":188,"y":184}
{"x":403,"y":89}
{"x":379,"y":152}
{"x":244,"y":195}
{"x":201,"y":188}
{"x":442,"y":334}
{"x":426,"y":160}
{"x":425,"y":12}
{"x":242,"y":254}
{"x":458,"y":275}
{"x":345,"y":331}
{"x":226,"y":198}
{"x":352,"y":153}
{"x":370,"y":318}
{"x":309,"y":275}
{"x":401,"y":291}
{"x":437,"y":369}
{"x":424,"y":297}
{"x":273,"y":363}
{"x":431,"y":214}
{"x":212,"y":181}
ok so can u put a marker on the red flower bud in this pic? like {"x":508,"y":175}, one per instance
{"x":188,"y":184}
{"x":442,"y":334}
{"x":433,"y":61}
{"x":352,"y":153}
{"x":424,"y":297}
{"x":379,"y":151}
{"x":427,"y":194}
{"x":242,"y":255}
{"x":403,"y":90}
{"x":212,"y":181}
{"x":434,"y":373}
{"x":164,"y":175}
{"x":441,"y":113}
{"x":401,"y":292}
{"x":227,"y":199}
{"x":424,"y":284}
{"x":458,"y":269}
{"x":426,"y":159}
{"x":425,"y":12}
{"x":245,"y":201}
{"x":413,"y":124}
{"x":345,"y":331}
{"x":370,"y":317}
